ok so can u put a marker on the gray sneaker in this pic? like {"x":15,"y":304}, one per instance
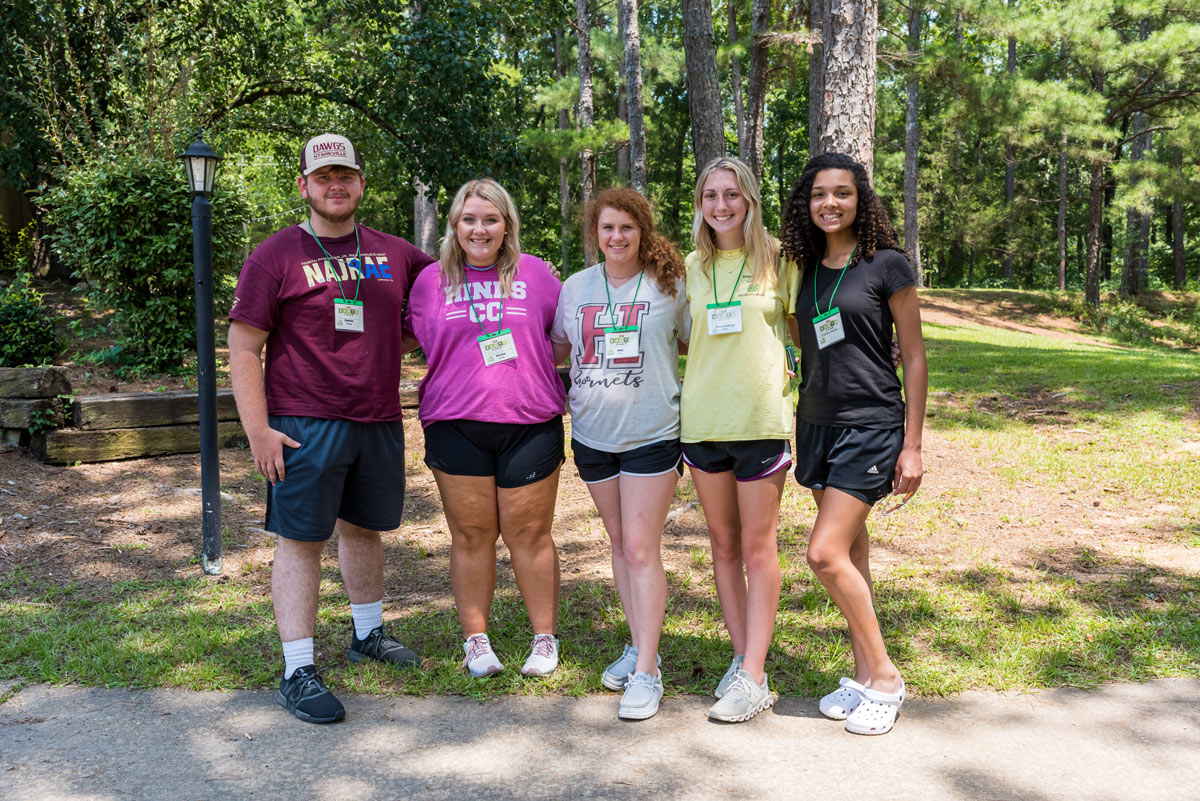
{"x":743,"y":699}
{"x":642,"y":694}
{"x":727,"y":679}
{"x":617,"y":674}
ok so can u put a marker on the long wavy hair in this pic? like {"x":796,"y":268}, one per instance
{"x":762,"y":249}
{"x":804,"y":242}
{"x":656,"y":255}
{"x":452,"y":257}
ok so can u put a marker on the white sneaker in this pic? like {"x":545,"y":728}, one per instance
{"x":743,"y":699}
{"x":543,"y":656}
{"x":727,"y":679}
{"x":641,"y":698}
{"x":480,"y":659}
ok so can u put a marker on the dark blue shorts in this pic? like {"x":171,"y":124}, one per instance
{"x":517,"y":454}
{"x":858,"y":461}
{"x":749,"y":459}
{"x":649,"y":460}
{"x":344,"y":469}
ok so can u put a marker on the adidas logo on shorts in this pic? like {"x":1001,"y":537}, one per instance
{"x":873,"y":471}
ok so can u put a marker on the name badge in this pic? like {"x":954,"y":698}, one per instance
{"x":725,"y":318}
{"x":829,"y":328}
{"x":621,"y":343}
{"x":348,"y":315}
{"x":498,"y":347}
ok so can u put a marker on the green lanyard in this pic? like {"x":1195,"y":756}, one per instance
{"x":611,"y":315}
{"x":355,"y":263}
{"x":829,"y":309}
{"x":716,"y":301}
{"x":471,"y":303}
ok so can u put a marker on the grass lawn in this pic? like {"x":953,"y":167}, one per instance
{"x":1056,"y":541}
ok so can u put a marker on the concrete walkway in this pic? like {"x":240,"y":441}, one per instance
{"x":1120,"y":743}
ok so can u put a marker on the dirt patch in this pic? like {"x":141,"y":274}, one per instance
{"x":1013,"y":312}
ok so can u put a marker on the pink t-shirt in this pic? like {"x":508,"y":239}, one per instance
{"x":288,"y":286}
{"x":459,"y":386}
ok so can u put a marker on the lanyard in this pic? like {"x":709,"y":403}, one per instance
{"x":471,"y":303}
{"x":607,"y":295}
{"x":735,"y":284}
{"x":835,"y":286}
{"x":354,"y":263}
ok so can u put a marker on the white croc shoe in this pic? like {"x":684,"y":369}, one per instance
{"x":876,"y":713}
{"x":841,"y":702}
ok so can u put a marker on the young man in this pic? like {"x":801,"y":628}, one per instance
{"x":323,"y":418}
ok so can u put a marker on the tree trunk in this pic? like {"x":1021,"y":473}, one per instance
{"x":425,"y":219}
{"x":847,"y":123}
{"x":704,"y":94}
{"x":1010,"y":178}
{"x":564,"y":164}
{"x":1095,"y":215}
{"x":912,"y":235}
{"x":1062,"y":213}
{"x":1177,"y":251}
{"x":633,"y":91}
{"x":622,"y":91}
{"x":816,"y":74}
{"x":735,"y":75}
{"x":760,"y":23}
{"x":587,"y":157}
{"x":1135,"y":245}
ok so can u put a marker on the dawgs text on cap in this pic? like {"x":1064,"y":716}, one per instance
{"x":326,"y":149}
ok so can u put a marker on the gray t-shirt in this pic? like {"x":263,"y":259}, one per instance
{"x":618,"y":404}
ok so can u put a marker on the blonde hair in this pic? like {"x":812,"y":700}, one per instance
{"x":451,"y":257}
{"x":762,"y":249}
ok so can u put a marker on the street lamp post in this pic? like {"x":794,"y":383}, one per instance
{"x":201,"y":163}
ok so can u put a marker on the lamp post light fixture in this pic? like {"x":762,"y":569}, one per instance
{"x":201,"y":164}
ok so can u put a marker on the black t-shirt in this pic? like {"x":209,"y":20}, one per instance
{"x":852,"y":383}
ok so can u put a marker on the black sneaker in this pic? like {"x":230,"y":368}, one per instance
{"x":306,"y":697}
{"x":382,"y":648}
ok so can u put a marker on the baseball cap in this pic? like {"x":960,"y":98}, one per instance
{"x":328,"y":149}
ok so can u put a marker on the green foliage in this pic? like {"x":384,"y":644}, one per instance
{"x":58,"y":415}
{"x":16,"y":250}
{"x":27,"y":335}
{"x":123,"y":223}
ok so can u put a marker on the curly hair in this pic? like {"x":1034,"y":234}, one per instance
{"x":804,"y":243}
{"x":657,"y":256}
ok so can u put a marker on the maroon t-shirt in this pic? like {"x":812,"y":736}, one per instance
{"x":288,"y":286}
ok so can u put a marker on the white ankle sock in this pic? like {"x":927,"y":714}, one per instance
{"x":366,"y":617}
{"x":297,"y":654}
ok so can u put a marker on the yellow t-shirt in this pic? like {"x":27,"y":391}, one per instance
{"x":736,"y":385}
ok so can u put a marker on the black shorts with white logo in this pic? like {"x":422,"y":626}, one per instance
{"x":749,"y":459}
{"x":858,"y":461}
{"x":517,"y":454}
{"x":649,"y":460}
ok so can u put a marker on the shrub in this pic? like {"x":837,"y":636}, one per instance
{"x":124,"y":224}
{"x":16,"y":250}
{"x":27,"y":334}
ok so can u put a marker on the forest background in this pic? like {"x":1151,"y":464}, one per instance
{"x":1022,"y":144}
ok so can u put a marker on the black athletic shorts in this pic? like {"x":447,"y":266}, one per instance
{"x":858,"y":461}
{"x":654,"y":459}
{"x":517,"y":454}
{"x":749,"y":459}
{"x":344,"y":469}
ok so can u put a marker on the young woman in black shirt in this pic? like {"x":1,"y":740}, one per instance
{"x":857,"y":437}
